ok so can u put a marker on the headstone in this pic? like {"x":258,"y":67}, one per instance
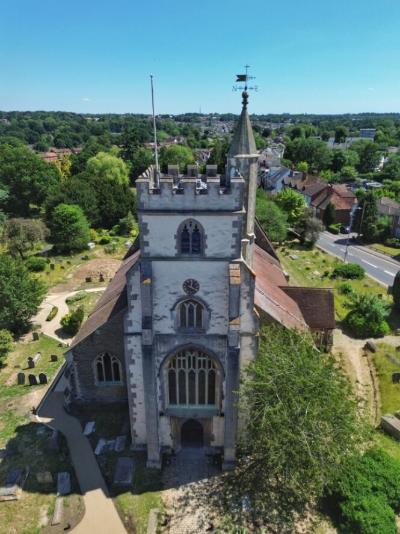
{"x":32,"y":380}
{"x":44,"y":477}
{"x":110,"y":445}
{"x":101,"y":277}
{"x":88,"y":279}
{"x":31,"y":363}
{"x":21,"y":379}
{"x":123,"y":475}
{"x":37,"y":357}
{"x":58,"y":511}
{"x":35,"y":336}
{"x":100,"y":446}
{"x":89,"y":428}
{"x":54,"y":441}
{"x":52,"y":266}
{"x":63,"y":483}
{"x":54,"y":358}
{"x":42,"y":378}
{"x":391,"y":425}
{"x":370,"y":345}
{"x":152,"y":522}
{"x":120,"y":443}
{"x":15,"y":480}
{"x":395,"y":378}
{"x":293,"y":256}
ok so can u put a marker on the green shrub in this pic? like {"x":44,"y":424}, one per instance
{"x":72,"y":321}
{"x":348,"y":271}
{"x":52,"y":314}
{"x":111,"y":248}
{"x":36,"y":264}
{"x":393,"y":242}
{"x":345,"y":288}
{"x":367,"y":316}
{"x":6,"y":342}
{"x":368,"y":514}
{"x":77,"y":297}
{"x":334,"y":228}
{"x":104,"y":240}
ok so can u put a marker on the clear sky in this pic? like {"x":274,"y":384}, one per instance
{"x":95,"y":56}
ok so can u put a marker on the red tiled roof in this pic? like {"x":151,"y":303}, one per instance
{"x":316,"y":305}
{"x":342,"y":200}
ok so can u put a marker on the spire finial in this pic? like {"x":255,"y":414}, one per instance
{"x":245,"y":99}
{"x":244,"y":78}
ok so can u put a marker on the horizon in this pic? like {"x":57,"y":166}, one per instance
{"x":310,"y":58}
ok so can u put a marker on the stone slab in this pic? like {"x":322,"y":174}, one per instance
{"x":391,"y":425}
{"x":15,"y":481}
{"x":37,"y":357}
{"x":120,"y":443}
{"x":152,"y":522}
{"x":44,"y":477}
{"x":124,"y":470}
{"x":58,"y":511}
{"x":101,"y":444}
{"x":90,"y":427}
{"x":63,"y":483}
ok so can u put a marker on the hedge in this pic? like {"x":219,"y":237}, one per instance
{"x":348,"y":271}
{"x":52,"y":314}
{"x":36,"y":264}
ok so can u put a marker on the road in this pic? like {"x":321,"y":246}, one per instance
{"x":376,"y":265}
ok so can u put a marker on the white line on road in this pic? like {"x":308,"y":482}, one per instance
{"x":343,"y":249}
{"x":391,"y":274}
{"x":368,"y":263}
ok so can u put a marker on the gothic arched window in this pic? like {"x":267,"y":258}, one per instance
{"x":193,"y":379}
{"x":108,"y":369}
{"x":190,"y":314}
{"x":190,"y":238}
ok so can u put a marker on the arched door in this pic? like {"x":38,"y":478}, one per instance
{"x":192,"y":434}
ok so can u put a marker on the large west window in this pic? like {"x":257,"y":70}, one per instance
{"x":108,"y":369}
{"x":192,"y":379}
{"x":190,"y":238}
{"x":190,"y":315}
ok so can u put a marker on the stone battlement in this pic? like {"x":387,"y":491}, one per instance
{"x":189,"y":192}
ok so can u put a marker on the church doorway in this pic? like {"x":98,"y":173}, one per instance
{"x":192,"y":434}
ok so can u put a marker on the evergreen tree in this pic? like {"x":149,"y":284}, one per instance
{"x":396,"y":290}
{"x":69,"y":229}
{"x":329,"y":216}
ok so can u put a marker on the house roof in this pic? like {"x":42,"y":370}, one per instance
{"x":388,"y":206}
{"x":339,"y":196}
{"x":316,"y":305}
{"x":111,"y":302}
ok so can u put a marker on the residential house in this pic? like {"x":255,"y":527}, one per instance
{"x":390,"y":208}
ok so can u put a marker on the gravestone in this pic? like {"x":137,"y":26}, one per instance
{"x":120,"y":443}
{"x":35,"y":336}
{"x":370,"y":345}
{"x":31,"y":363}
{"x":123,"y":474}
{"x":58,"y":511}
{"x":54,"y":358}
{"x":101,"y":444}
{"x":63,"y":483}
{"x":391,"y":425}
{"x":44,"y":477}
{"x":89,"y":428}
{"x":395,"y":378}
{"x":52,"y":266}
{"x":21,"y":379}
{"x":32,"y":380}
{"x":37,"y":357}
{"x":101,"y":277}
{"x":42,"y":378}
{"x":88,"y":279}
{"x":54,"y":441}
{"x":15,"y":480}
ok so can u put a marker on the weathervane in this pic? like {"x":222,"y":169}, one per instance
{"x":244,"y":78}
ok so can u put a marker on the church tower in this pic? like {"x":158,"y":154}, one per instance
{"x":190,"y":324}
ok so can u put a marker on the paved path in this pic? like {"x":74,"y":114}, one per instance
{"x":378,"y":266}
{"x":51,"y":328}
{"x":100,"y":517}
{"x":190,"y":480}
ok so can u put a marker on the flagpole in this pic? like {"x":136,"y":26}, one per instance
{"x":157,"y":173}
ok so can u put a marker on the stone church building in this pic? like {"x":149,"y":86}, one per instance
{"x":179,"y":321}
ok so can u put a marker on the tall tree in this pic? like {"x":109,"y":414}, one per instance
{"x":302,"y":424}
{"x":341,"y":133}
{"x":109,"y":167}
{"x":20,"y":294}
{"x":69,"y":229}
{"x":176,"y":155}
{"x":21,"y":235}
{"x":308,"y":227}
{"x":273,"y":220}
{"x":292,"y":203}
{"x":329,"y":216}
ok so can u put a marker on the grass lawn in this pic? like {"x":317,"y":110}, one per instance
{"x":84,"y":299}
{"x":312,"y":268}
{"x":133,"y":504}
{"x":385,"y":364}
{"x":384,"y":249}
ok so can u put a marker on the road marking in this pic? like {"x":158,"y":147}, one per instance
{"x":343,"y":249}
{"x":391,"y":274}
{"x":368,"y":263}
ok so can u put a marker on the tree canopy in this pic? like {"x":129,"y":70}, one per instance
{"x":273,"y":220}
{"x":107,"y":166}
{"x":69,"y":229}
{"x":292,"y":203}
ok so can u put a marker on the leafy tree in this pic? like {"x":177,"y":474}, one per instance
{"x":108,"y":167}
{"x":292,"y":203}
{"x":218,"y":154}
{"x":128,"y":224}
{"x":366,"y":219}
{"x":176,"y":155}
{"x":21,"y":235}
{"x":114,"y":201}
{"x":396,"y":290}
{"x":302,"y":166}
{"x":302,"y":425}
{"x":329,"y":215}
{"x":341,"y":133}
{"x":369,"y":155}
{"x":308,"y":227}
{"x":72,"y":321}
{"x":20,"y":294}
{"x":367,"y":316}
{"x":348,"y":173}
{"x":69,"y":229}
{"x":391,"y":169}
{"x":6,"y":343}
{"x":272,"y":219}
{"x":313,"y":151}
{"x":141,"y":159}
{"x":26,"y":178}
{"x":64,"y":166}
{"x":338,"y":160}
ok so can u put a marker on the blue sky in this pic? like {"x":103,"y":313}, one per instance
{"x":309,"y":56}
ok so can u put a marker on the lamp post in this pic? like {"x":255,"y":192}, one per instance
{"x":348,"y":234}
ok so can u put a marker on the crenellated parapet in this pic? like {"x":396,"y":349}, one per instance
{"x":189,"y":192}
